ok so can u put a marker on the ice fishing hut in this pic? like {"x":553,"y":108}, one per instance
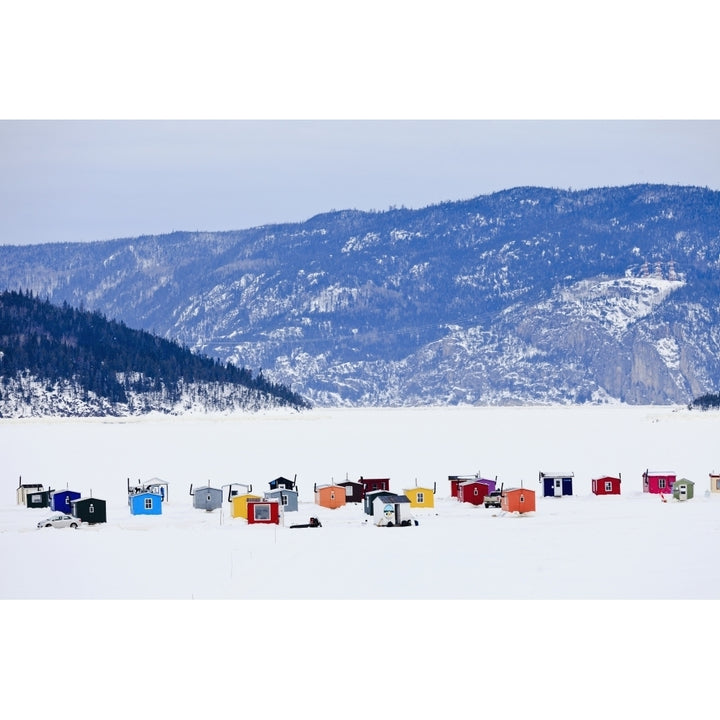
{"x":90,"y":510}
{"x":473,"y":491}
{"x":283,"y":483}
{"x":24,"y":488}
{"x":239,"y":504}
{"x":556,"y":484}
{"x":236,"y":489}
{"x":158,"y":487}
{"x":263,"y":511}
{"x":421,"y":496}
{"x":354,"y":491}
{"x":658,"y":481}
{"x":286,"y":497}
{"x":520,"y":500}
{"x":714,"y":482}
{"x":683,"y":489}
{"x":330,"y":496}
{"x":61,"y":500}
{"x":390,"y":510}
{"x":370,"y":497}
{"x":457,"y":480}
{"x":146,"y":503}
{"x":206,"y":498}
{"x":492,"y":484}
{"x":606,"y":485}
{"x":372,"y":484}
{"x":38,"y":498}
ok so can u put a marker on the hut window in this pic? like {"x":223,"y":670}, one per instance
{"x":475,"y":491}
{"x":262,"y":512}
{"x":332,"y":495}
{"x":661,"y":483}
{"x":608,"y":486}
{"x":148,"y":503}
{"x":91,"y":508}
{"x":421,"y":497}
{"x":284,"y":499}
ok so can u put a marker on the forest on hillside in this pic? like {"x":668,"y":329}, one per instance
{"x":106,"y":357}
{"x":706,"y":402}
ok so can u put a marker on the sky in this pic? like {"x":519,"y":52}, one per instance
{"x":154,"y":121}
{"x":76,"y":180}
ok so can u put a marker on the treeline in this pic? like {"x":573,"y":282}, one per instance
{"x":56,"y":343}
{"x":706,"y":402}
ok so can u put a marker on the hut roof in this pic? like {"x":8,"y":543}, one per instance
{"x":392,"y":497}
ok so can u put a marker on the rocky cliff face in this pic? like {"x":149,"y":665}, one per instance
{"x":531,"y":295}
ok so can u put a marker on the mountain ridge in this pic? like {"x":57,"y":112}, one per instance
{"x":358,"y":307}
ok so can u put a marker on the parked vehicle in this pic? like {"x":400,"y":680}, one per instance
{"x":494,"y":499}
{"x":59,"y":520}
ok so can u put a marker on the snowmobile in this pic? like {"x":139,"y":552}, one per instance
{"x":314,"y":522}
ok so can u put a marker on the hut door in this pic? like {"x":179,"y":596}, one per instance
{"x":558,"y":487}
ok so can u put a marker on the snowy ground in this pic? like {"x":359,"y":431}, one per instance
{"x":328,"y":594}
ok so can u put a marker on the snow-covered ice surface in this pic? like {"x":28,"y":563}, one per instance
{"x":323,"y":600}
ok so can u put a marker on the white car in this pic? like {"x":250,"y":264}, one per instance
{"x":59,"y":521}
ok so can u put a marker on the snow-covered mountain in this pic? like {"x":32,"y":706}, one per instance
{"x":60,"y":361}
{"x":529,"y":295}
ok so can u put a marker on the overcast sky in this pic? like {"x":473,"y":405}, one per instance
{"x":69,"y":174}
{"x":66,"y":181}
